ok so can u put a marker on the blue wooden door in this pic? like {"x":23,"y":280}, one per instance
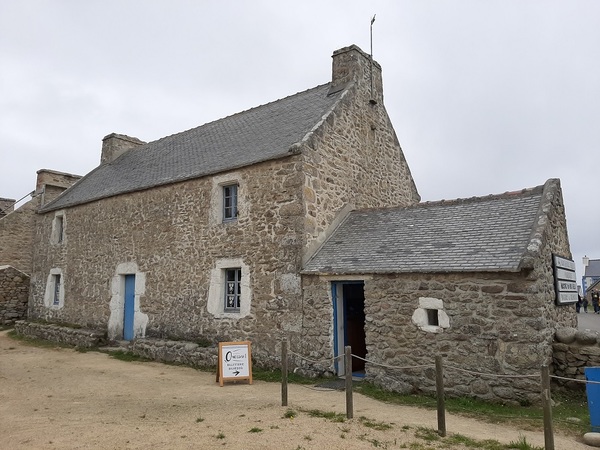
{"x":129,"y":303}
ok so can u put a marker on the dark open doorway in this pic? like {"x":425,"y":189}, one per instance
{"x":349,"y":306}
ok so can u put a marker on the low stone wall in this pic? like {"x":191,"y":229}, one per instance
{"x":77,"y":337}
{"x":178,"y":352}
{"x":573,"y":351}
{"x":163,"y":350}
{"x":14,"y":293}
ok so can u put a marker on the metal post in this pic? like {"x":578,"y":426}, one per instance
{"x":349,"y":401}
{"x":284,"y":372}
{"x":547,"y":406}
{"x":441,"y":403}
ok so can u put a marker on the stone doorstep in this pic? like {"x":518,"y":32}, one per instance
{"x":115,"y":346}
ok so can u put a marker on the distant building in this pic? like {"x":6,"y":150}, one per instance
{"x":591,"y":273}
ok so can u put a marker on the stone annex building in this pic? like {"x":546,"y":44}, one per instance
{"x":300,"y":219}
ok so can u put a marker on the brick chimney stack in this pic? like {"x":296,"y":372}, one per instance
{"x":114,"y":145}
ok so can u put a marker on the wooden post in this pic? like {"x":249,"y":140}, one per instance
{"x":547,"y":406}
{"x":284,"y":372}
{"x":441,"y":403}
{"x":349,"y":401}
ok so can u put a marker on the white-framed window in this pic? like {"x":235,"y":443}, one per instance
{"x":233,"y":289}
{"x":58,"y":228}
{"x":230,"y":202}
{"x":57,"y":281}
{"x":230,"y":291}
{"x":227,"y":199}
{"x":54,"y":296}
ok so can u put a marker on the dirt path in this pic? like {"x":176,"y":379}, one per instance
{"x":63,"y":399}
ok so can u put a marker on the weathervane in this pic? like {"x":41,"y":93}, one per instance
{"x":372,"y":101}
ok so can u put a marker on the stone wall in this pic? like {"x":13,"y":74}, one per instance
{"x":17,"y":228}
{"x":354,"y":158}
{"x":16,"y":236}
{"x":174,"y":352}
{"x":495,"y":327}
{"x":172,"y":238}
{"x":177,"y":352}
{"x":14,"y":292}
{"x":77,"y":337}
{"x":573,"y":351}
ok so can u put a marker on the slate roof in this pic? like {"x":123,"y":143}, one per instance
{"x":593,"y":268}
{"x":259,"y":134}
{"x":479,"y":234}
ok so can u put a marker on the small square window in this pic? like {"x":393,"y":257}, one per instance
{"x":230,"y":202}
{"x":432,"y":317}
{"x":233,"y":289}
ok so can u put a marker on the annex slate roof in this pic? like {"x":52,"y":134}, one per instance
{"x":479,"y":234}
{"x":259,"y":134}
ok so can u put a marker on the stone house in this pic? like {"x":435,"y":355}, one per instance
{"x":300,"y":219}
{"x":17,"y":229}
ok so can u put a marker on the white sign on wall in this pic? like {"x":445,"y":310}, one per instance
{"x":565,"y":280}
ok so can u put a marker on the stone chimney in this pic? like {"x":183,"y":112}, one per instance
{"x":351,"y":64}
{"x":114,"y":145}
{"x":51,"y":183}
{"x":586,"y":261}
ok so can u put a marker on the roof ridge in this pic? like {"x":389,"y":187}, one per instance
{"x":459,"y":201}
{"x":507,"y":194}
{"x":245,"y":111}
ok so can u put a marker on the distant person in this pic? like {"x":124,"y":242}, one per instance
{"x":585,"y":304}
{"x":595,"y":301}
{"x":579,"y":304}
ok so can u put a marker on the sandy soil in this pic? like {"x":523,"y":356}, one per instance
{"x":62,"y":399}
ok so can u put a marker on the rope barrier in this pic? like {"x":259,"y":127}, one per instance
{"x":574,"y":379}
{"x":393,"y":367}
{"x":425,"y":366}
{"x":322,"y":361}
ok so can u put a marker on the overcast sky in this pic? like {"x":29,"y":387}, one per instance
{"x":485,"y":96}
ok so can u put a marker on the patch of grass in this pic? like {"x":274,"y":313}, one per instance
{"x":199,"y":419}
{"x":570,"y":413}
{"x":380,"y":426}
{"x":127,"y":356}
{"x":220,"y":436}
{"x":254,"y":430}
{"x":459,"y":439}
{"x":329,"y":415}
{"x":290,"y":414}
{"x":522,"y":444}
{"x":427,"y":434}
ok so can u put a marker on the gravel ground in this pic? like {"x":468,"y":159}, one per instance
{"x":56,"y":398}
